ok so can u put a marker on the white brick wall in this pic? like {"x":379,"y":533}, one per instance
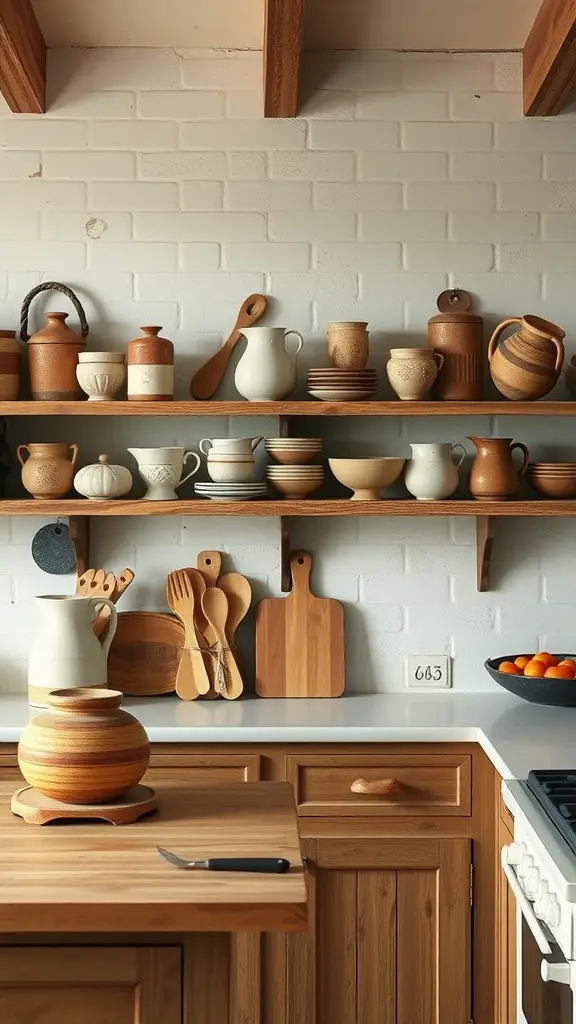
{"x":154,"y":187}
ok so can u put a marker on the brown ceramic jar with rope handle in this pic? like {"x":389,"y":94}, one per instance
{"x":457,"y":334}
{"x":53,"y":350}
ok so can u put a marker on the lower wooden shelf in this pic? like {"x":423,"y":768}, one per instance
{"x":308,"y":507}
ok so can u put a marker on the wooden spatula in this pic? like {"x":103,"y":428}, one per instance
{"x":207,"y":379}
{"x":192,"y":679}
{"x":209,"y":564}
{"x":121,"y":584}
{"x":215,"y":607}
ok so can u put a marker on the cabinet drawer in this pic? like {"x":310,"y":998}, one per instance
{"x":383,"y":785}
{"x":183,"y":769}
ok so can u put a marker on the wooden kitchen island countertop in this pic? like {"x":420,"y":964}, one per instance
{"x":100,"y":878}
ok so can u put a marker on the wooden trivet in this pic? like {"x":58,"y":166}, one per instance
{"x":37,"y":809}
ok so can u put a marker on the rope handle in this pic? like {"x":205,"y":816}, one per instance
{"x":50,"y":286}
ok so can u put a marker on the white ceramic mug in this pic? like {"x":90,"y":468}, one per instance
{"x":236,"y":469}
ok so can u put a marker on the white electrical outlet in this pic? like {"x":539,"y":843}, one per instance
{"x":428,"y":672}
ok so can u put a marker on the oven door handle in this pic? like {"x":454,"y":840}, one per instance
{"x":526,"y":907}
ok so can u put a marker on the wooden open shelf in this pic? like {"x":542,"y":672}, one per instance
{"x":308,"y":507}
{"x":307,"y":408}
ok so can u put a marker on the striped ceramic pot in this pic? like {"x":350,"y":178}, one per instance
{"x":84,"y":749}
{"x":526,"y":365}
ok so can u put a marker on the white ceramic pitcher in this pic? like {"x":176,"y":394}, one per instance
{"x":431,"y":474}
{"x":267,"y":370}
{"x":161,"y":469}
{"x":66,"y":651}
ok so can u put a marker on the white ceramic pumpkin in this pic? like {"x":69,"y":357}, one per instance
{"x":101,"y":481}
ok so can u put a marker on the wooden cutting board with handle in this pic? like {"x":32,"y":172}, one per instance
{"x":300,"y":640}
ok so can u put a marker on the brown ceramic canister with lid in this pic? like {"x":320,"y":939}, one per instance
{"x":150,"y":367}
{"x":53,"y":350}
{"x":9,"y":367}
{"x":457,"y":334}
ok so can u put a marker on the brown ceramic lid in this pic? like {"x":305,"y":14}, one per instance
{"x":453,"y":305}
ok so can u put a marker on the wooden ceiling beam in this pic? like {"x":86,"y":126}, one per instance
{"x":22,"y":58}
{"x":549,"y":60}
{"x":282,"y":56}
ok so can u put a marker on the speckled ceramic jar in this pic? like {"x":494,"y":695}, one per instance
{"x":412,"y":372}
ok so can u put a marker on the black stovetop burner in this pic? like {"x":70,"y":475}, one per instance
{"x":556,"y":793}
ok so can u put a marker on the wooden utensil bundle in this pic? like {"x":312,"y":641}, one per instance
{"x":211,"y":607}
{"x":99,"y":583}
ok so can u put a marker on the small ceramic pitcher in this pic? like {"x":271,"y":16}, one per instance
{"x":431,"y":474}
{"x":66,"y":651}
{"x":49,"y":470}
{"x":267,"y":370}
{"x":161,"y":470}
{"x":230,"y":459}
{"x":412,"y":372}
{"x":493,"y":476}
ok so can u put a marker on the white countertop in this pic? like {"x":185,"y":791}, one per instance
{"x":517,"y":736}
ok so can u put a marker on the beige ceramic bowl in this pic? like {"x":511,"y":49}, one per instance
{"x":552,"y":485}
{"x":293,"y":456}
{"x":367,"y":477}
{"x":296,"y":487}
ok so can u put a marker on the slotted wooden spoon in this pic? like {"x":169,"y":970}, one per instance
{"x":207,"y":379}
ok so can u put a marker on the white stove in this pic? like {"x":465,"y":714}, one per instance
{"x":541,"y":870}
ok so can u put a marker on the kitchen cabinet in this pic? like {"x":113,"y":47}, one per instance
{"x":388,"y":939}
{"x":506,"y":1003}
{"x":94,"y":985}
{"x":389,"y":887}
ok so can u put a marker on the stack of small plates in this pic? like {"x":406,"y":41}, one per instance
{"x":293,"y":451}
{"x":295,"y":481}
{"x":231,"y":492}
{"x":336,"y":384}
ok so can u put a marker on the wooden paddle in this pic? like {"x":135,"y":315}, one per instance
{"x":300,"y":640}
{"x":207,"y":379}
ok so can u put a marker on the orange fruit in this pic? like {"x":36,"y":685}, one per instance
{"x":568,"y":661}
{"x":535,"y":668}
{"x":510,"y":668}
{"x":559,"y":672}
{"x":548,"y":659}
{"x":523,"y":660}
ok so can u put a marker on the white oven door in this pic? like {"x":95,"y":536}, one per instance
{"x":546,"y":981}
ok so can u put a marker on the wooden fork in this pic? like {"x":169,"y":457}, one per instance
{"x":192,"y":679}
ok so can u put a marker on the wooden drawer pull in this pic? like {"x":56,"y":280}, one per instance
{"x":378,"y":787}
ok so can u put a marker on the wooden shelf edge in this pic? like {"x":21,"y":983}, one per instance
{"x":330,"y":507}
{"x":303,"y":408}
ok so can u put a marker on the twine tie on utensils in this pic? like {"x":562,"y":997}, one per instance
{"x":217,"y":651}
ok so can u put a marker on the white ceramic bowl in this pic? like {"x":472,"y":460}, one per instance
{"x":101,"y":381}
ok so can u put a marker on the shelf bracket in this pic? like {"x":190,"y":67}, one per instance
{"x":285,"y":574}
{"x":79,"y":527}
{"x":484,"y":538}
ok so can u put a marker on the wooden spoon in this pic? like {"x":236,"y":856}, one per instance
{"x":206,"y":380}
{"x":209,"y":564}
{"x":192,"y":680}
{"x":215,"y":607}
{"x":239,"y":596}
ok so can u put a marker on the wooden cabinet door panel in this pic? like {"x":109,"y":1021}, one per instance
{"x":388,"y":939}
{"x":182,"y":769}
{"x":94,"y":985}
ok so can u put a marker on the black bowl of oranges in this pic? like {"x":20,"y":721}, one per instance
{"x":540,"y":678}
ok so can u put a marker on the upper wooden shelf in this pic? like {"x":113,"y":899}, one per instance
{"x":308,"y":507}
{"x":310,"y":408}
